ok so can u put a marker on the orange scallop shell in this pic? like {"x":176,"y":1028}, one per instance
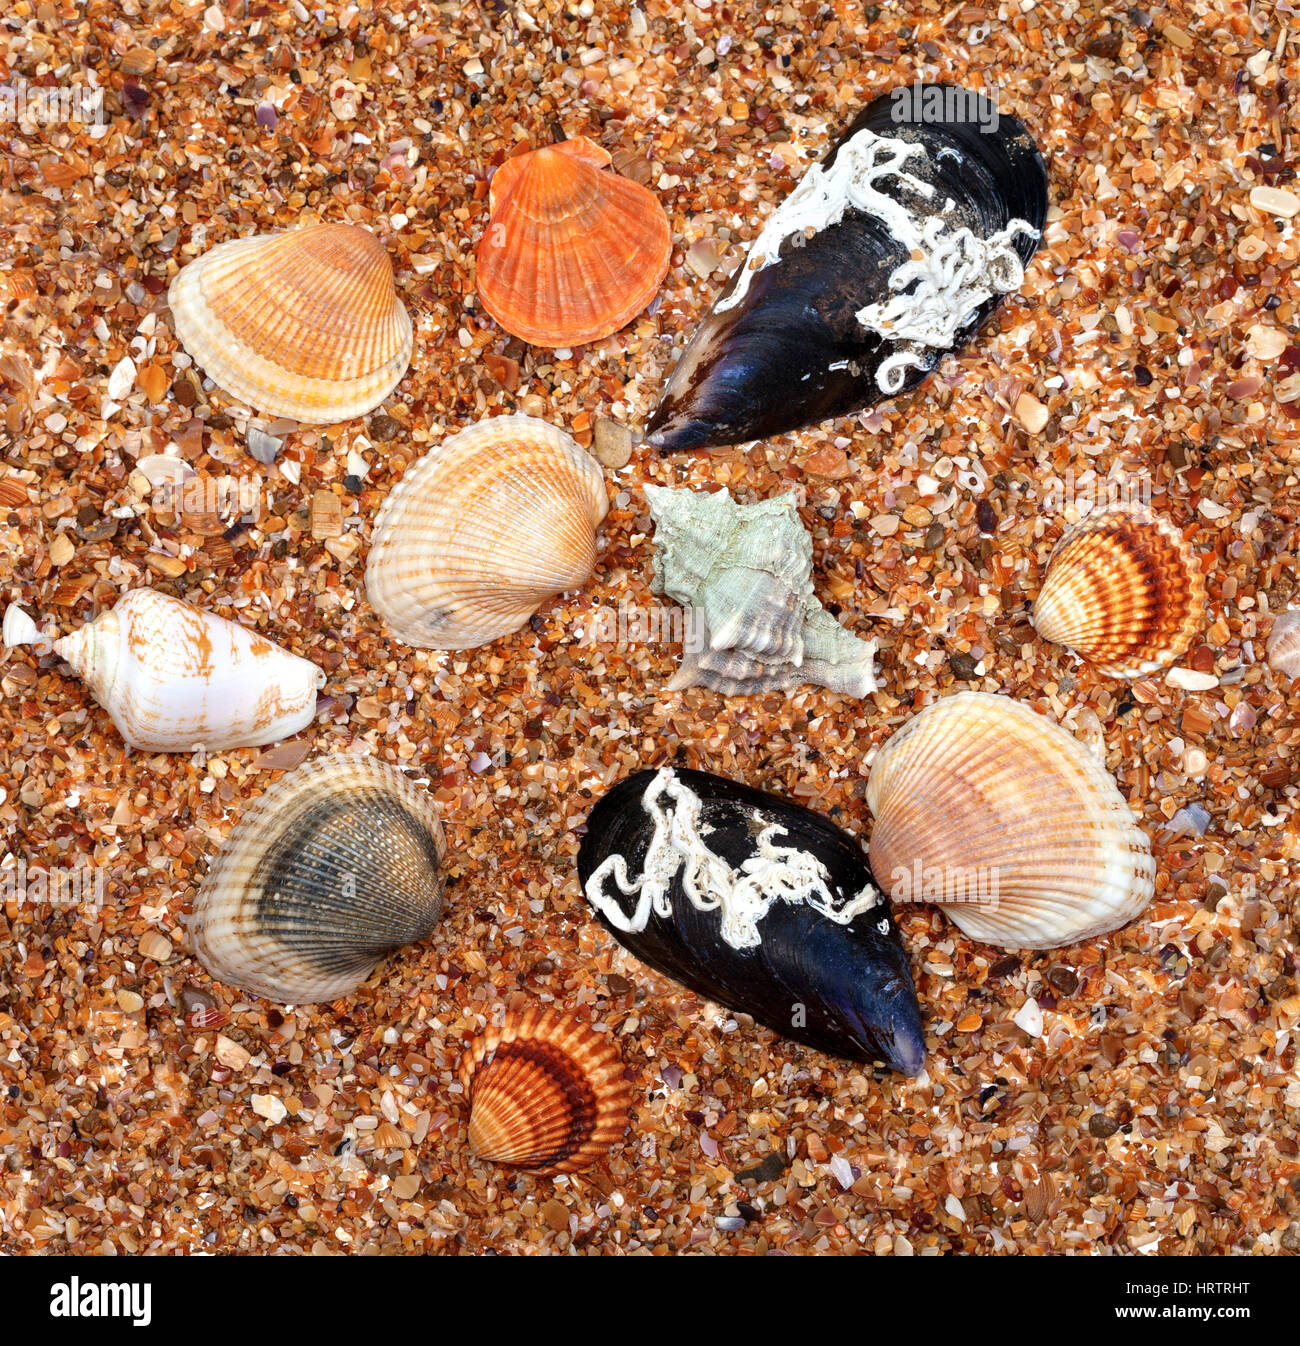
{"x":1123,"y":591}
{"x":305,"y":324}
{"x":572,"y":252}
{"x":546,"y":1092}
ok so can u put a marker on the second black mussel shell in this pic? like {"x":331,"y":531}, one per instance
{"x":793,"y":352}
{"x":844,"y":989}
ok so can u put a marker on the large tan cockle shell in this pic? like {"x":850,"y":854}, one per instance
{"x":305,"y":323}
{"x":1008,"y":822}
{"x":482,"y":530}
{"x":337,"y":865}
{"x":572,"y":252}
{"x":546,"y":1091}
{"x":1123,"y":591}
{"x":175,"y":678}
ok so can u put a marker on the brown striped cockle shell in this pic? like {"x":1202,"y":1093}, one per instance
{"x":482,"y":530}
{"x":305,"y":324}
{"x":546,"y":1091}
{"x":337,"y":865}
{"x":572,"y":252}
{"x":1124,"y":591}
{"x":1008,"y":822}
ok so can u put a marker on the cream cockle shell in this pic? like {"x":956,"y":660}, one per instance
{"x":547,"y":1092}
{"x":1124,"y":591}
{"x":482,"y":530}
{"x":1008,"y":822}
{"x":174,"y":678}
{"x":337,"y":865}
{"x":304,"y":324}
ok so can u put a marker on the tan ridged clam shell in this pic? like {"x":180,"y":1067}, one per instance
{"x":1123,"y":591}
{"x":336,"y":866}
{"x":546,"y":1092}
{"x":1009,"y":822}
{"x":305,"y":324}
{"x":482,"y":530}
{"x":175,"y":678}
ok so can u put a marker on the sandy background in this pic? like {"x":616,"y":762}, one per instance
{"x":1156,"y":332}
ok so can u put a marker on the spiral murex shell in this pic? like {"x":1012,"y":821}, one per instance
{"x":337,"y":865}
{"x":174,"y":678}
{"x":572,"y":252}
{"x":1123,"y":591}
{"x":482,"y":530}
{"x":304,"y":324}
{"x":744,"y":573}
{"x":547,"y":1092}
{"x":1010,"y":823}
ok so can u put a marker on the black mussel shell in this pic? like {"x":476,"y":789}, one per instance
{"x":845,"y":989}
{"x":792,"y":352}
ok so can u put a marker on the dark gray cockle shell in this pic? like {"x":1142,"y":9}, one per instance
{"x":337,"y":865}
{"x":758,"y":904}
{"x":924,"y":213}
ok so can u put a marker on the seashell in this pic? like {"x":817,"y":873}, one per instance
{"x":756,"y":903}
{"x":174,"y":678}
{"x":336,"y":866}
{"x":482,"y":530}
{"x":923,"y":215}
{"x":305,"y":323}
{"x":572,"y":252}
{"x":205,"y":1019}
{"x":18,"y":627}
{"x":547,"y":1093}
{"x":745,"y":573}
{"x":1123,"y":591}
{"x":1008,"y":822}
{"x":1283,"y":647}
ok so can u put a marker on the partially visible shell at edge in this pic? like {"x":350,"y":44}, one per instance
{"x":482,"y":530}
{"x":1124,"y":591}
{"x":337,"y":865}
{"x":1284,"y":644}
{"x":547,"y":1092}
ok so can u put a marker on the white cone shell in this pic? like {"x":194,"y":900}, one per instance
{"x":174,"y":678}
{"x":977,"y":790}
{"x":482,"y":530}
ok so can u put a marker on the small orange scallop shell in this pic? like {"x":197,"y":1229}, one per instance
{"x":1123,"y":591}
{"x":572,"y":252}
{"x":546,"y":1092}
{"x":305,"y":324}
